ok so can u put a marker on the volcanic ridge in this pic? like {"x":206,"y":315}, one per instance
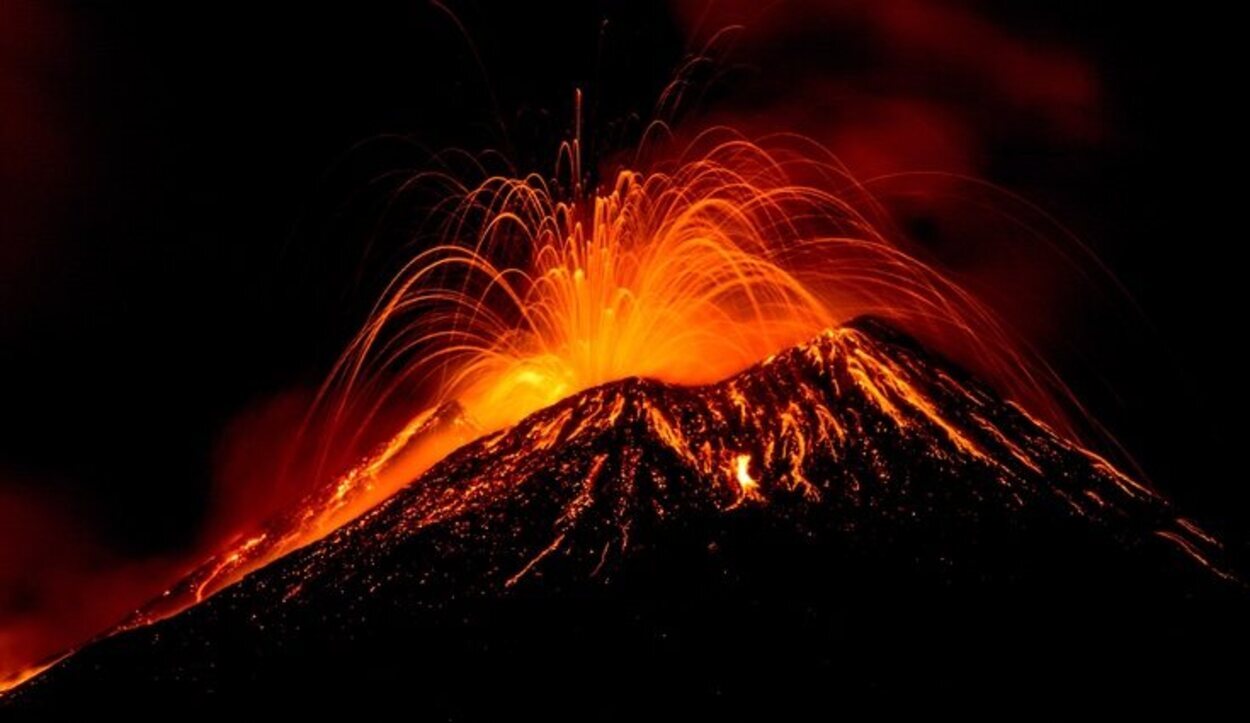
{"x":850,"y":495}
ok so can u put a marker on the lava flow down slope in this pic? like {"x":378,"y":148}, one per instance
{"x":826,"y":525}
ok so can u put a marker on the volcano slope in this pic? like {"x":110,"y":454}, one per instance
{"x":853,"y":522}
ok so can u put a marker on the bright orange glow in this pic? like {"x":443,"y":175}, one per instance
{"x":742,"y":471}
{"x":687,"y":272}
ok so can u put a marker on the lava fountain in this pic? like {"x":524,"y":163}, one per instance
{"x":684,"y":273}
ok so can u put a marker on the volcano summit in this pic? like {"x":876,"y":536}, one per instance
{"x":835,"y":522}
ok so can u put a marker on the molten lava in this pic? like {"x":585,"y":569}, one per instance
{"x":750,"y":486}
{"x":686,"y":273}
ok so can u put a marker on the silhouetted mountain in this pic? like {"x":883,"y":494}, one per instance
{"x":851,"y":523}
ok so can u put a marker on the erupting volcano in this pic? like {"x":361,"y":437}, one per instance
{"x":718,"y":366}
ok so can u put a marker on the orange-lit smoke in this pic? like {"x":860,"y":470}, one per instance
{"x":919,"y":85}
{"x":42,"y":606}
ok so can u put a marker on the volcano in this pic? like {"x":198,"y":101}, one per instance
{"x":851,"y":522}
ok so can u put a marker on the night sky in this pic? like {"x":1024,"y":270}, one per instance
{"x":186,"y":202}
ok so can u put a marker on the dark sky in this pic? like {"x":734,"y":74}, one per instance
{"x":182,"y":208}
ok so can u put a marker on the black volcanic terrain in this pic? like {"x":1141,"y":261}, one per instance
{"x":852,"y":525}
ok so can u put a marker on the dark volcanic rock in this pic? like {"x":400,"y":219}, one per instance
{"x":852,"y":522}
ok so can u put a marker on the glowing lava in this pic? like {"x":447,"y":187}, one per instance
{"x":742,"y":472}
{"x":686,"y":273}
